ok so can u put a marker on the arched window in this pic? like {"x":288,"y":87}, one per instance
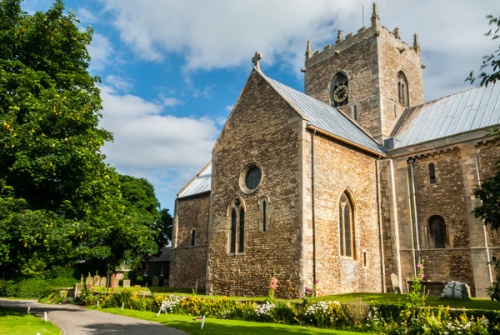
{"x":346,"y":226}
{"x":403,"y":95}
{"x":339,"y":90}
{"x":193,"y":237}
{"x":437,"y":231}
{"x":265,"y":213}
{"x":237,"y":227}
{"x":233,"y":231}
{"x":432,"y":173}
{"x":241,"y":243}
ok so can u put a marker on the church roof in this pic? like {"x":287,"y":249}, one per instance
{"x":473,"y":109}
{"x":199,"y":184}
{"x":327,"y":118}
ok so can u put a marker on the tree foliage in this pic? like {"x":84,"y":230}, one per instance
{"x":489,"y":194}
{"x":164,"y":228}
{"x":59,"y":201}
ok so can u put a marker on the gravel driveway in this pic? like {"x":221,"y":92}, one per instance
{"x":76,"y":320}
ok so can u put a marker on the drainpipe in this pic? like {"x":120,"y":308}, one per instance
{"x":396,"y":223}
{"x":413,"y":204}
{"x":485,"y":233}
{"x":313,"y":207}
{"x":380,"y":228}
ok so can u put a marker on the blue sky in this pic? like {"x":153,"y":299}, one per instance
{"x":172,"y":69}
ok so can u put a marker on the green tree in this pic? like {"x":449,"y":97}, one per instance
{"x":52,"y":175}
{"x":59,"y":201}
{"x":164,"y":228}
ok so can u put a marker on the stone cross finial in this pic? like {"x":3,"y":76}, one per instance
{"x":256,"y":58}
{"x":416,"y":45}
{"x":396,"y":32}
{"x":375,"y":18}
{"x":339,"y":36}
{"x":308,"y":50}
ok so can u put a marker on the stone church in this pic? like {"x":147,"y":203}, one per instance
{"x":348,"y":185}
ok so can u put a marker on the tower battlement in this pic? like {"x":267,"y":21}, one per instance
{"x":343,"y":43}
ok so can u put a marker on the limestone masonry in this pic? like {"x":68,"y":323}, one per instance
{"x":349,"y":185}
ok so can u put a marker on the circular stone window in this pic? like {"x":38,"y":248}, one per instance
{"x":251,"y":178}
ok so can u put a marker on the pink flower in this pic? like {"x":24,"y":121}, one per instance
{"x":421,"y":276}
{"x":420,"y":265}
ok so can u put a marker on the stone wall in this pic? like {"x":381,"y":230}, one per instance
{"x":262,"y":129}
{"x":339,"y":168}
{"x":189,"y":263}
{"x":457,"y":166}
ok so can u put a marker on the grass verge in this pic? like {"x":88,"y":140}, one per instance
{"x":222,"y":326}
{"x":17,"y":323}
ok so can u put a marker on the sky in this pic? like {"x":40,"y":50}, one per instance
{"x":172,"y":70}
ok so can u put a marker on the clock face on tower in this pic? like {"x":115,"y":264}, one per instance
{"x":340,"y":93}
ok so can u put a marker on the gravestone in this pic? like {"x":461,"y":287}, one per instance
{"x":89,"y":281}
{"x":456,"y":290}
{"x":103,"y":282}
{"x":156,"y":281}
{"x":126,"y":283}
{"x":395,"y":283}
{"x":117,"y":283}
{"x":97,"y":280}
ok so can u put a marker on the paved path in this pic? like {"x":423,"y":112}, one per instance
{"x":76,"y":320}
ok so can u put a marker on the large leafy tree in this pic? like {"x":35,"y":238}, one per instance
{"x":59,"y":201}
{"x":131,"y":236}
{"x":164,"y":227}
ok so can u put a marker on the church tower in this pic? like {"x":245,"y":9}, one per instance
{"x":371,"y":76}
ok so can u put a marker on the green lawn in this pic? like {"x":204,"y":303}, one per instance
{"x":223,"y":327}
{"x":17,"y":323}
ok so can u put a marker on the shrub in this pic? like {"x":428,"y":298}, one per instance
{"x":33,"y":288}
{"x":286,"y":313}
{"x":242,"y":311}
{"x":328,"y":314}
{"x":263,"y":312}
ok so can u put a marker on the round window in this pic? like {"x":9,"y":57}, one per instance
{"x":253,"y":177}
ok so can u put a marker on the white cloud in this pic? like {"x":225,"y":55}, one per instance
{"x":146,"y":141}
{"x":101,"y":52}
{"x":118,"y":83}
{"x":224,"y":34}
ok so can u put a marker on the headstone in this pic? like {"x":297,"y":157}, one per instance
{"x":156,"y":281}
{"x":97,"y":280}
{"x":456,"y":290}
{"x":89,"y":281}
{"x":126,"y":283}
{"x":102,"y":282}
{"x":395,"y":283}
{"x":117,"y":282}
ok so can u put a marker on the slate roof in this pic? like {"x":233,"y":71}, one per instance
{"x":327,"y":118}
{"x":199,"y":184}
{"x":163,"y":257}
{"x":466,"y":111}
